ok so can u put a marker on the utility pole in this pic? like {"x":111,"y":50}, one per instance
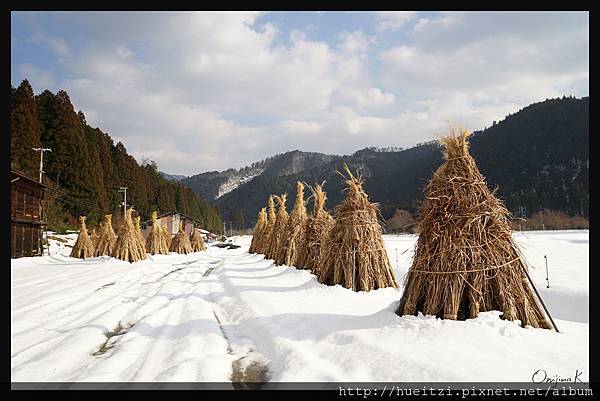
{"x":42,"y":150}
{"x":124,"y":190}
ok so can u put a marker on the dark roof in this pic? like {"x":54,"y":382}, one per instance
{"x":22,"y":176}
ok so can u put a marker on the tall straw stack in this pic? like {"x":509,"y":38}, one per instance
{"x":276,"y":232}
{"x":259,"y":231}
{"x":167,"y":237}
{"x":156,"y":243}
{"x":465,"y":260}
{"x":83,"y":247}
{"x":138,"y":233}
{"x":197,"y":241}
{"x":317,"y":228}
{"x":353,"y":254}
{"x":127,"y":245}
{"x":181,"y":242}
{"x":94,"y":237}
{"x":263,"y":244}
{"x":293,"y":233}
{"x":106,"y":239}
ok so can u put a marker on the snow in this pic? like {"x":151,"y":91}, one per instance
{"x":197,"y":317}
{"x":236,"y":180}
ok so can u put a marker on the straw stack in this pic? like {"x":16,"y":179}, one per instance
{"x":106,"y":239}
{"x":317,"y":228}
{"x":197,"y":241}
{"x":83,"y":247}
{"x":277,"y":231}
{"x":138,"y":232}
{"x":465,"y":260}
{"x":167,"y":237}
{"x":259,"y":231}
{"x":181,"y":242}
{"x":263,"y":244}
{"x":127,"y":246}
{"x":156,"y":242}
{"x":353,"y":253}
{"x":293,"y":233}
{"x":94,"y":236}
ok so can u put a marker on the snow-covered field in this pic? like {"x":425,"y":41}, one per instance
{"x":207,"y":316}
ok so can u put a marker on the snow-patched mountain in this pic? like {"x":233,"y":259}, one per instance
{"x":213,"y":185}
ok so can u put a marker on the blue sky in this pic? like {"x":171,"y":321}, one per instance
{"x":198,"y":91}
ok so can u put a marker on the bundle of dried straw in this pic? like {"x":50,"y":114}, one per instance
{"x":83,"y":247}
{"x":167,"y":237}
{"x":107,"y":237}
{"x":156,"y":242}
{"x":317,"y":228}
{"x":465,"y":259}
{"x":259,"y":231}
{"x":293,"y":233}
{"x":197,"y":241}
{"x":181,"y":242}
{"x":94,"y":236}
{"x":353,"y":254}
{"x":138,"y":234}
{"x":276,"y":231}
{"x":127,"y":246}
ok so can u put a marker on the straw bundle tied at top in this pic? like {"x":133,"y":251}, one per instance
{"x":197,"y":242}
{"x":94,"y":238}
{"x":259,"y":231}
{"x":106,"y":239}
{"x":181,"y":242}
{"x":276,"y":232}
{"x":83,"y":247}
{"x":293,"y":233}
{"x":466,"y":260}
{"x":317,"y":228}
{"x":167,"y":237}
{"x":139,"y":236}
{"x":127,"y":246}
{"x":353,"y":254}
{"x":156,"y":242}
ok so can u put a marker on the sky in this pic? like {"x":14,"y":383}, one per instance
{"x":205,"y":91}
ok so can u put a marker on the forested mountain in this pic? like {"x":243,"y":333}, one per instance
{"x":87,"y":168}
{"x":538,"y":158}
{"x":215,"y":184}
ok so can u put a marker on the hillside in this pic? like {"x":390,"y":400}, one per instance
{"x":86,"y":167}
{"x":538,"y":158}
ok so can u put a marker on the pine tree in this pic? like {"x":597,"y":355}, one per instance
{"x":24,"y":130}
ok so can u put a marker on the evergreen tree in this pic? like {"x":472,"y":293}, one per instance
{"x":24,"y":130}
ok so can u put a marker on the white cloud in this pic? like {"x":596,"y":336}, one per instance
{"x":393,"y":20}
{"x":212,"y":90}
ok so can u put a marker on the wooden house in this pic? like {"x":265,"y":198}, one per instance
{"x":172,"y":220}
{"x":26,"y":215}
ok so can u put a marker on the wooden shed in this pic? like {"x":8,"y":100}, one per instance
{"x":26,"y":215}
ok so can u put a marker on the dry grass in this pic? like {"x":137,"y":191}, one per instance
{"x":127,"y":246}
{"x":107,"y":237}
{"x":181,"y":242}
{"x":293,"y":233}
{"x":94,"y":237}
{"x":197,"y":241}
{"x":259,"y":231}
{"x":353,"y":254}
{"x":156,"y":243}
{"x":317,"y":228}
{"x":138,"y":234}
{"x":167,"y":237}
{"x":83,"y":247}
{"x":465,"y":260}
{"x":276,"y":231}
